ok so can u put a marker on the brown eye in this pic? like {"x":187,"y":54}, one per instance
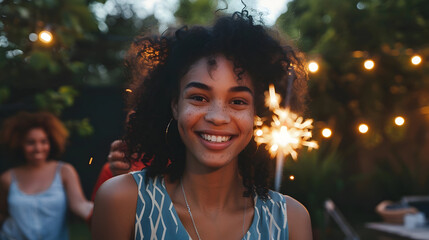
{"x":198,"y":98}
{"x":239,"y":102}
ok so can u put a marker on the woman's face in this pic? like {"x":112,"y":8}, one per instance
{"x":36,"y":146}
{"x":215,"y":113}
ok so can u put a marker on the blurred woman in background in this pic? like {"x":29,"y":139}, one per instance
{"x":34,"y":195}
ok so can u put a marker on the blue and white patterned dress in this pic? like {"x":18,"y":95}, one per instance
{"x":156,"y":217}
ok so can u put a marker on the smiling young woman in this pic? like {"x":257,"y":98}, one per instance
{"x":200,"y":91}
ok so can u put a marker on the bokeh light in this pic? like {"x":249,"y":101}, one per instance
{"x":292,"y":177}
{"x":369,"y":64}
{"x":399,"y":121}
{"x":326,"y":133}
{"x":313,"y":66}
{"x":363,"y":128}
{"x":45,"y":36}
{"x":416,"y":60}
{"x":33,"y":37}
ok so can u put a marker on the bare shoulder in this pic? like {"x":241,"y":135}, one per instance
{"x":67,"y":168}
{"x":119,"y":188}
{"x":6,"y":179}
{"x":298,"y":220}
{"x":115,"y":208}
{"x":68,"y":172}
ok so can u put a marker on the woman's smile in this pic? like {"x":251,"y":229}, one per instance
{"x":215,"y":112}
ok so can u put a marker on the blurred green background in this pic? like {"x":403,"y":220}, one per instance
{"x":80,"y":76}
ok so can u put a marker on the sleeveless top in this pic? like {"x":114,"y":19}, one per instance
{"x":156,"y":217}
{"x":37,"y":216}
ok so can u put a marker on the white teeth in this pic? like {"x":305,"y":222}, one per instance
{"x":214,"y":138}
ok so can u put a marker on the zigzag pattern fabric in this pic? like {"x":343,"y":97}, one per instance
{"x":156,"y":218}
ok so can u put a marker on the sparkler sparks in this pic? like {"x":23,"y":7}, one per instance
{"x":90,"y":161}
{"x":288,"y":131}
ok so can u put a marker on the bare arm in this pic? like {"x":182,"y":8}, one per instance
{"x":115,"y":209}
{"x":298,"y":220}
{"x":5,"y":180}
{"x":78,"y":203}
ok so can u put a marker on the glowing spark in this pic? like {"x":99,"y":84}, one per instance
{"x":399,"y":121}
{"x":288,"y":131}
{"x":326,"y":133}
{"x":292,"y":177}
{"x":369,"y":64}
{"x":416,"y":60}
{"x":90,"y":161}
{"x":272,"y":99}
{"x":128,"y":90}
{"x":313,"y":66}
{"x":45,"y":36}
{"x":363,"y":128}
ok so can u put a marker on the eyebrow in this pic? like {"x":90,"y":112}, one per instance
{"x":207,"y":88}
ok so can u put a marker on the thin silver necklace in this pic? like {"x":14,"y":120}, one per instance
{"x":192,"y":218}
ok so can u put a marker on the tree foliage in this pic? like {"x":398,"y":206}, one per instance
{"x":85,"y":51}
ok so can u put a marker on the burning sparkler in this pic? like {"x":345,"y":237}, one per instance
{"x":287,"y":133}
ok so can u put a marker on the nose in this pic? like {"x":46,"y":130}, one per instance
{"x":38,"y":147}
{"x":217,"y":113}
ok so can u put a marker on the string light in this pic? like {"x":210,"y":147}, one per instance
{"x":326,"y":133}
{"x":313,"y":66}
{"x":416,"y":60}
{"x":369,"y":64}
{"x":363,"y":128}
{"x":45,"y":36}
{"x":399,"y":121}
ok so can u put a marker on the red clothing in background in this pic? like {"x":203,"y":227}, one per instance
{"x":106,"y":174}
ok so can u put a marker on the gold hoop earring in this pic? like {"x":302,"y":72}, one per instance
{"x":167,"y":129}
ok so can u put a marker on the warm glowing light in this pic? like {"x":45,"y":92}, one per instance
{"x":416,"y":60}
{"x":128,"y":90}
{"x":272,"y":99}
{"x":313,"y":67}
{"x":399,"y":121}
{"x":287,"y":132}
{"x":369,"y":64}
{"x":45,"y":36}
{"x":363,"y":128}
{"x":274,"y":148}
{"x":326,"y":133}
{"x":90,"y":161}
{"x":292,"y":177}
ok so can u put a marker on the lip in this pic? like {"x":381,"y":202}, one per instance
{"x":215,"y":145}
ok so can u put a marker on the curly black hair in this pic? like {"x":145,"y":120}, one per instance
{"x":158,"y":63}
